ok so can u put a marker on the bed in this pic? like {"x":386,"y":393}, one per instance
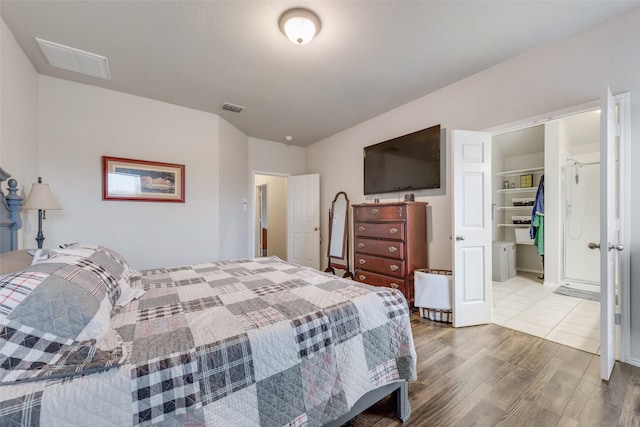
{"x":86,"y":340}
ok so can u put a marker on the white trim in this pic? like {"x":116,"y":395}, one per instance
{"x":543,"y":118}
{"x":623,"y":100}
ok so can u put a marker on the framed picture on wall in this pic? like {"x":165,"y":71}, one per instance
{"x":142,"y":180}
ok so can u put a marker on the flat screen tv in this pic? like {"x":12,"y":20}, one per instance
{"x":406,"y":163}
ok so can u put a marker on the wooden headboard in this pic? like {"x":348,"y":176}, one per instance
{"x":10,"y":222}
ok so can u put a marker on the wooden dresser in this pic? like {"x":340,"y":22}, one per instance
{"x":390,"y":242}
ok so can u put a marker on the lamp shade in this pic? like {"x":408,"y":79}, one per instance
{"x":40,"y":198}
{"x":299,"y":25}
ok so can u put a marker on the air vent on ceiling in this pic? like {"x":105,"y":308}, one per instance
{"x":76,"y":60}
{"x":232,"y":107}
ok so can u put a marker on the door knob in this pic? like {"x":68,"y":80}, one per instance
{"x":459,"y":237}
{"x":594,"y":245}
{"x":315,"y":228}
{"x":617,"y":247}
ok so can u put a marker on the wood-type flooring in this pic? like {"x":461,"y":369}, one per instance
{"x":493,"y":376}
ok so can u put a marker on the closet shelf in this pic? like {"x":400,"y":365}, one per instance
{"x":514,"y":208}
{"x":518,"y":190}
{"x":538,"y":170}
{"x":515,"y":225}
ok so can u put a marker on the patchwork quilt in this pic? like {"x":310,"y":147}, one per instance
{"x":234,"y":343}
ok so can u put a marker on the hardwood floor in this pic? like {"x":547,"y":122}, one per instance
{"x":493,"y":376}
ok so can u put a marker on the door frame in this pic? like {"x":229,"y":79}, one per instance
{"x":252,"y":207}
{"x":623,"y":101}
{"x":260,"y":191}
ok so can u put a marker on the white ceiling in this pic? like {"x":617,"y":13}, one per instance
{"x":370,"y":56}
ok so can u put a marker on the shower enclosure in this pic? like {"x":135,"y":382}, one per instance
{"x":581,"y":187}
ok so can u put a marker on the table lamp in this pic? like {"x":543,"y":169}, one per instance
{"x":40,"y":198}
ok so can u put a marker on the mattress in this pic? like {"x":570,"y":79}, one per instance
{"x":244,"y":342}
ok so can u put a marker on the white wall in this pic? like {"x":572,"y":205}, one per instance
{"x":18,"y":123}
{"x":276,"y":157}
{"x":233,"y":183}
{"x":559,"y":75}
{"x":79,"y":124}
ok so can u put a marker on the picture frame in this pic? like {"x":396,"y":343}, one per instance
{"x":526,"y":181}
{"x":142,"y":180}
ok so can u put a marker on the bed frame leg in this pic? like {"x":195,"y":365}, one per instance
{"x":400,"y":402}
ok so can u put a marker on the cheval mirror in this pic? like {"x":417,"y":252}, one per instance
{"x":338,"y":247}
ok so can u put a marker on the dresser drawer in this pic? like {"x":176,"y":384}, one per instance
{"x":380,"y":280}
{"x":384,"y":230}
{"x":386,"y":248}
{"x":379,"y":213}
{"x":380,"y":265}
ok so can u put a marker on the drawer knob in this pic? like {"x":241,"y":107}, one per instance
{"x":362,"y":261}
{"x":393,"y":230}
{"x":360,"y":245}
{"x":362,"y":277}
{"x":375,"y":211}
{"x":394,"y":267}
{"x":394,"y":285}
{"x":361,"y":228}
{"x":393,"y":249}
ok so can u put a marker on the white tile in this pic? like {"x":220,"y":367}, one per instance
{"x":499,"y":319}
{"x":540,"y":291}
{"x":529,"y":328}
{"x":588,"y":306}
{"x":514,"y":302}
{"x":507,"y":311}
{"x":565,"y":307}
{"x":581,"y":331}
{"x":580,"y":320}
{"x":570,"y":340}
{"x":543,"y":312}
{"x":534,"y":318}
{"x":523,"y":304}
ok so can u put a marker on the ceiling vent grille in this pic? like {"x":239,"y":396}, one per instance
{"x":76,"y":60}
{"x":232,"y":107}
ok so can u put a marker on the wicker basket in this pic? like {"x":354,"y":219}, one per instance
{"x":444,"y":316}
{"x":437,"y":315}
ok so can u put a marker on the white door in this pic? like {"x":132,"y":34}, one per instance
{"x":303,"y":220}
{"x":608,"y":232}
{"x":471,"y":227}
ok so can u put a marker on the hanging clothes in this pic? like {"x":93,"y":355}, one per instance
{"x":536,"y":231}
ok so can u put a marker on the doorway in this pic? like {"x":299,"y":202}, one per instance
{"x":270,"y":227}
{"x":558,"y":301}
{"x":292,"y":216}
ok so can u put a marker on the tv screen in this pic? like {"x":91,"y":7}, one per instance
{"x":409,"y":162}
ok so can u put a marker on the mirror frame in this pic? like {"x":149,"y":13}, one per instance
{"x":345,"y":230}
{"x":345,"y":239}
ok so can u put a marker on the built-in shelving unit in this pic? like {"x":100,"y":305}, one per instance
{"x":524,"y":191}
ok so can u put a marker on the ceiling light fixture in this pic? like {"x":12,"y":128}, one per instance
{"x":299,"y":25}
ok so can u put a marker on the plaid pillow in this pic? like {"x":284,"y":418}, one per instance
{"x":72,"y":301}
{"x":108,"y":259}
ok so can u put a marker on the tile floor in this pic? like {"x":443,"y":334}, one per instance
{"x":524,"y":304}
